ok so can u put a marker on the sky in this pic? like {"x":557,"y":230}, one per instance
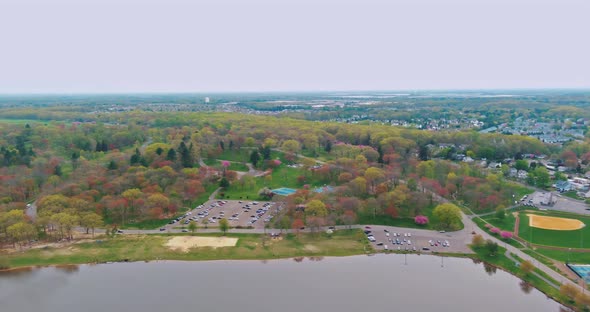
{"x":154,"y":46}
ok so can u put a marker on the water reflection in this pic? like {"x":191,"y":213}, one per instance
{"x":139,"y":286}
{"x":16,"y":272}
{"x":68,"y":268}
{"x":490,"y":269}
{"x":526,"y":287}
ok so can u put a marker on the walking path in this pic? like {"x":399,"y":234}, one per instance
{"x":517,"y":263}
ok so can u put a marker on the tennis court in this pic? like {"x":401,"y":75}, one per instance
{"x":284,"y":191}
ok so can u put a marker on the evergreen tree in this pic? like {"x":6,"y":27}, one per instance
{"x":112,"y":165}
{"x":171,"y":156}
{"x":135,"y":158}
{"x":57,"y":171}
{"x":254,"y":157}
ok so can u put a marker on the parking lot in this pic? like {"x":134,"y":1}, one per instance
{"x":415,"y":240}
{"x":239,"y":213}
{"x":561,"y":203}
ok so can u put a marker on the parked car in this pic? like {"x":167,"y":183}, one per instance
{"x":162,"y":229}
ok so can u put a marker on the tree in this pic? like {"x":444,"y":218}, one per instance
{"x":569,"y":290}
{"x":500,"y":212}
{"x":448,"y":216}
{"x":527,"y":267}
{"x":297,"y":225}
{"x":91,"y":220}
{"x":171,"y":155}
{"x":477,"y":241}
{"x":491,"y":247}
{"x":192,"y":226}
{"x":284,"y":223}
{"x":223,"y":225}
{"x":21,"y":232}
{"x":254,"y":157}
{"x":224,"y":183}
{"x":316,"y":208}
{"x":112,"y":165}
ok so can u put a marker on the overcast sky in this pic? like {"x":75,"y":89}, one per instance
{"x":78,"y":46}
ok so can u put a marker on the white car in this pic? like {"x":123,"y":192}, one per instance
{"x":387,"y":234}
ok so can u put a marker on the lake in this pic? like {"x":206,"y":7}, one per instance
{"x":381,"y":282}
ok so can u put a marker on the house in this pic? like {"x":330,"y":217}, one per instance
{"x":494,"y":165}
{"x":467,"y":159}
{"x":513,"y":172}
{"x":563,"y":186}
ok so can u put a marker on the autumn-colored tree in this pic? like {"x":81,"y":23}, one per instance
{"x":477,"y":241}
{"x":569,"y":290}
{"x":526,"y":267}
{"x":297,"y":225}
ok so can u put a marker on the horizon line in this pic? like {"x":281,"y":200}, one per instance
{"x":294,"y":91}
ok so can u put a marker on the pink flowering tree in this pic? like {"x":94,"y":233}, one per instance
{"x":421,"y":220}
{"x":225,"y":163}
{"x":506,"y":235}
{"x":277,"y":162}
{"x":488,"y":225}
{"x":495,"y":230}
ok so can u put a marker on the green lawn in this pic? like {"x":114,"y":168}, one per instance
{"x":388,"y":220}
{"x":564,"y":256}
{"x":151,"y":247}
{"x":282,"y":176}
{"x":506,"y":224}
{"x":573,"y":239}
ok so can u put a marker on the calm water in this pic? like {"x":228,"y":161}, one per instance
{"x":380,"y":283}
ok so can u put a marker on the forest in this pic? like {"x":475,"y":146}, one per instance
{"x":136,"y":168}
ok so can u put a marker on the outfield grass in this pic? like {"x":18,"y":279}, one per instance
{"x":564,"y":256}
{"x":574,"y":239}
{"x":506,"y":224}
{"x":151,"y":247}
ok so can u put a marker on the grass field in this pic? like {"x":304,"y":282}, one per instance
{"x":235,"y":166}
{"x":506,"y":224}
{"x":573,"y":239}
{"x":282,"y":176}
{"x":151,"y":247}
{"x":388,"y":220}
{"x":565,"y":256}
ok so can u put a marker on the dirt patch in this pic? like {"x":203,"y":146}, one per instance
{"x":184,"y":243}
{"x":554,"y":223}
{"x":311,"y":248}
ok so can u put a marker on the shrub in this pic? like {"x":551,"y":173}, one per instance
{"x":4,"y":265}
{"x":495,"y":230}
{"x":421,"y":220}
{"x":506,"y":235}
